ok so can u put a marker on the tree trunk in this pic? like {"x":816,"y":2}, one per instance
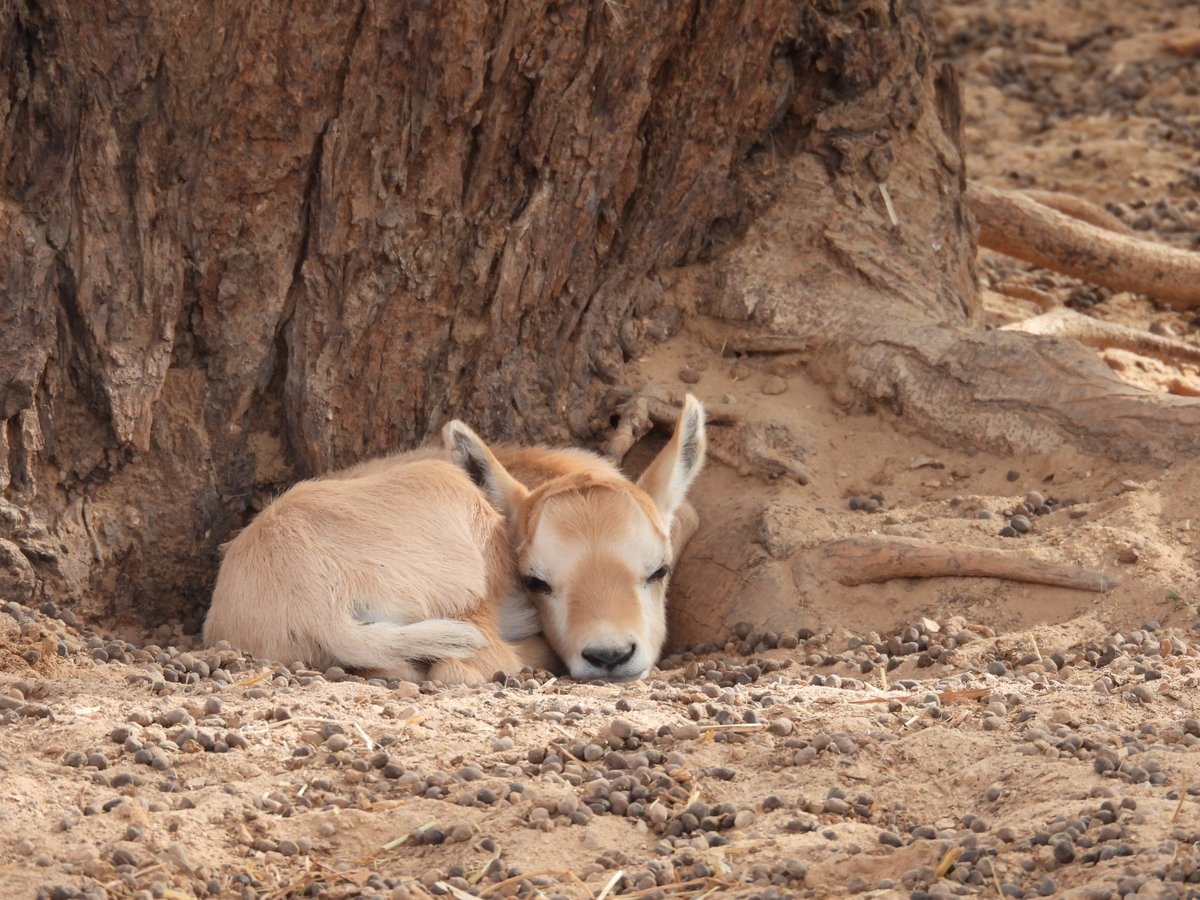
{"x":244,"y":247}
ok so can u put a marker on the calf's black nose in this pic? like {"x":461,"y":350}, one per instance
{"x":609,"y":657}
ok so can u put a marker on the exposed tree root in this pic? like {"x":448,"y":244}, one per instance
{"x":772,"y":461}
{"x":1098,"y":333}
{"x":1078,"y":208}
{"x":867,"y":560}
{"x":1016,"y":391}
{"x":768,"y":452}
{"x":1021,"y":227}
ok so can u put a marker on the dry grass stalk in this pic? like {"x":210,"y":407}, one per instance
{"x":366,"y":737}
{"x":1182,"y":797}
{"x":887,"y":202}
{"x":943,"y":696}
{"x":948,"y":860}
{"x":517,"y":879}
{"x":252,"y":680}
{"x":736,"y":727}
{"x":612,"y":883}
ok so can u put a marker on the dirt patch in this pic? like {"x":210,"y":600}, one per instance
{"x":1045,"y":761}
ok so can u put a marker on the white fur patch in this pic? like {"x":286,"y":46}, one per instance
{"x":518,"y":619}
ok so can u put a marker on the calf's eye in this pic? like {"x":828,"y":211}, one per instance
{"x":659,"y":574}
{"x":536,"y":585}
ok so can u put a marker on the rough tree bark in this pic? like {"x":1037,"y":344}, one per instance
{"x":242,"y":246}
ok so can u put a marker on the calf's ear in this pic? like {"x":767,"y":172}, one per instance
{"x":669,"y":477}
{"x":472,"y":455}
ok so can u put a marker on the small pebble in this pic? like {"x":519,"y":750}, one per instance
{"x":74,"y":759}
{"x":1143,"y":692}
{"x":97,"y":761}
{"x":620,"y":728}
{"x":837,"y":806}
{"x":1064,"y":852}
{"x":687,"y":731}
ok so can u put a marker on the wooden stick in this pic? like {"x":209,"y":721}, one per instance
{"x":766,"y":343}
{"x":869,"y":560}
{"x":1018,"y":226}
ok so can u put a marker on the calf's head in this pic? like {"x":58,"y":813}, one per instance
{"x":593,"y":548}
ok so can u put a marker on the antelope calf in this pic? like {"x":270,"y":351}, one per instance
{"x":455,"y":564}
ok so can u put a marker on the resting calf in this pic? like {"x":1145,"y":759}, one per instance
{"x":456,"y":564}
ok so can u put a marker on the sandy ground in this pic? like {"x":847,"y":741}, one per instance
{"x":915,"y":738}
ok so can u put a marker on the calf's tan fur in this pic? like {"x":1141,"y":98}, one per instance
{"x":398,"y":566}
{"x":455,"y":564}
